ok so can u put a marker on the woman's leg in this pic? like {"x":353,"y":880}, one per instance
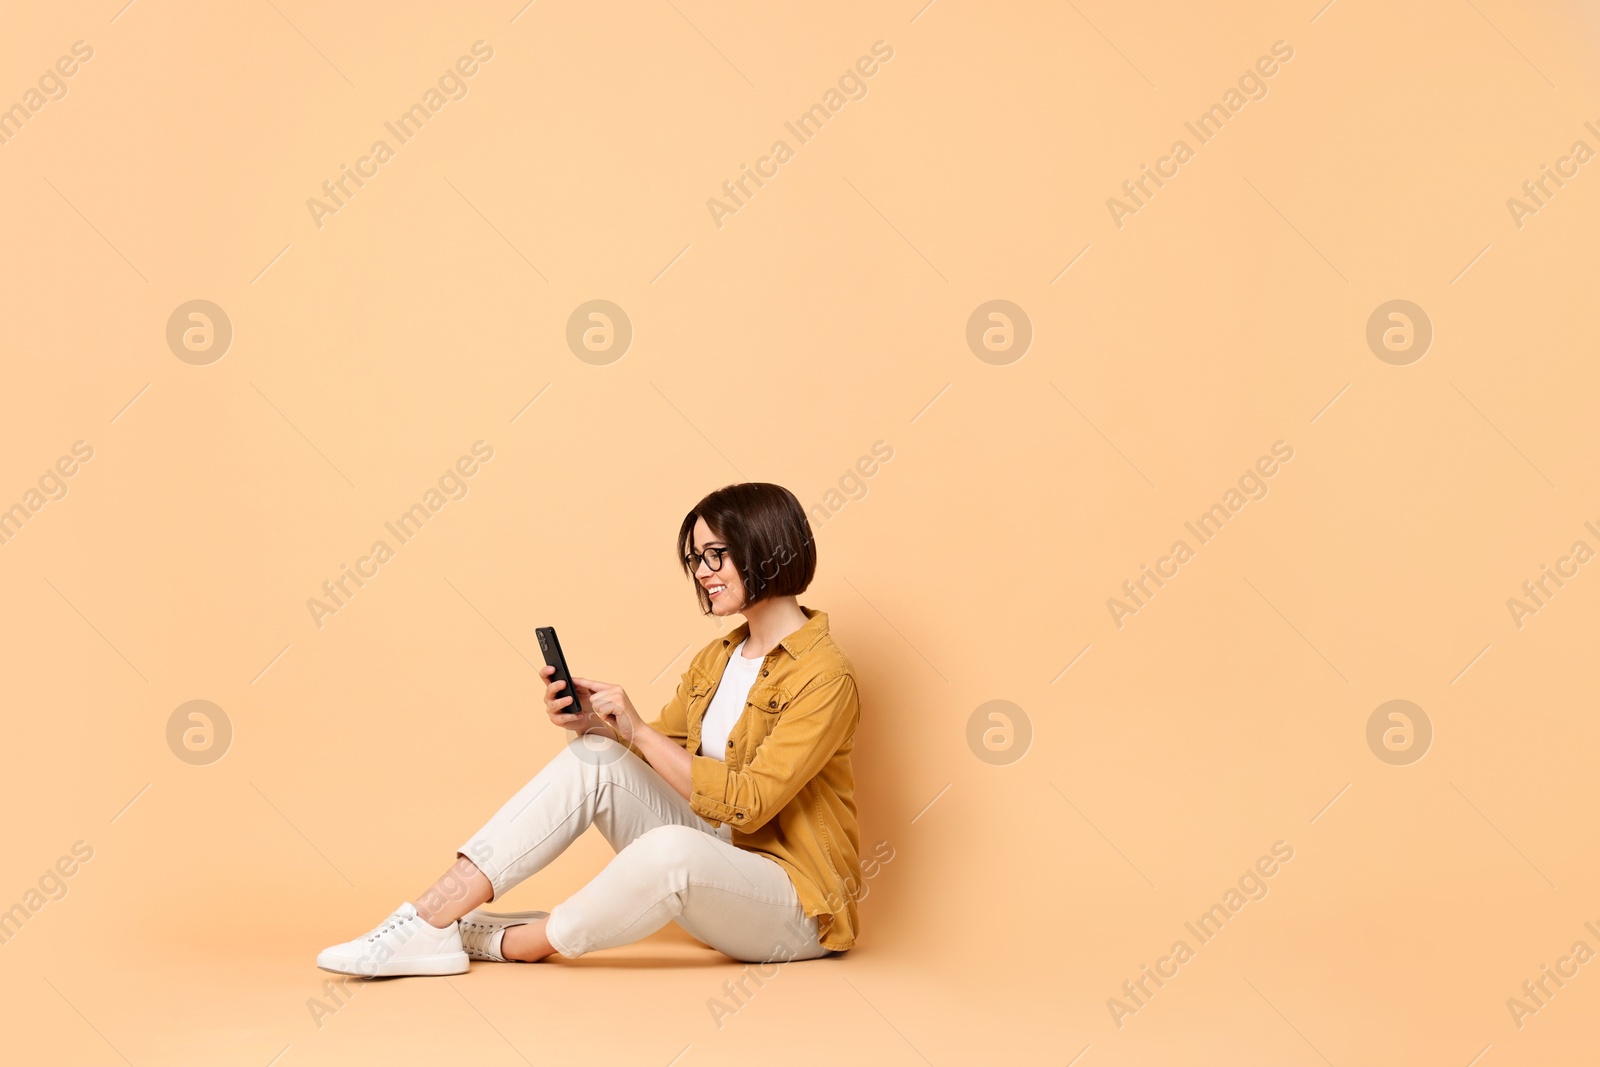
{"x":592,"y":781}
{"x":459,"y":889}
{"x":601,"y":783}
{"x":739,"y":902}
{"x":670,"y":865}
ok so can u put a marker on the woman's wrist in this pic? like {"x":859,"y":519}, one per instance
{"x":639,"y":734}
{"x":667,"y":757}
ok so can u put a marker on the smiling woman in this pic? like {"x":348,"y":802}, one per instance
{"x":732,"y":813}
{"x":771,"y":545}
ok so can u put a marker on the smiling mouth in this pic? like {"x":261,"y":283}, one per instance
{"x":714,"y":591}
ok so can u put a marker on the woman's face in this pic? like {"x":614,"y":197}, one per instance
{"x":724,"y":586}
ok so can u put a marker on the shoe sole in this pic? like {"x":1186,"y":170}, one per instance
{"x":421,"y":966}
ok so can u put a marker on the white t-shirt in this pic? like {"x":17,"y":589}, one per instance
{"x":727,"y":704}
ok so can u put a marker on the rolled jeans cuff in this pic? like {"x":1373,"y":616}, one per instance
{"x":481,"y":856}
{"x":552,"y":934}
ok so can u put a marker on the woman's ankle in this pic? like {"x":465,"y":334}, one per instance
{"x":460,"y":889}
{"x":525,"y":942}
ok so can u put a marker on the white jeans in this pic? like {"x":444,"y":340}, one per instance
{"x":670,"y":863}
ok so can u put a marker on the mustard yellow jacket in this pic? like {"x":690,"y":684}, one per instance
{"x":786,"y":787}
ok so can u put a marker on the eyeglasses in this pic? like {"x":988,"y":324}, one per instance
{"x":712,"y":557}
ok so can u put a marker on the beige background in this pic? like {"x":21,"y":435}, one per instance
{"x":828,"y":313}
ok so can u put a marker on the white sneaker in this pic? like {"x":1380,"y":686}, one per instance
{"x":402,"y":944}
{"x":483,"y":931}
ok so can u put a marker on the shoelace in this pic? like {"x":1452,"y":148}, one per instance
{"x":393,"y":922}
{"x":475,"y":937}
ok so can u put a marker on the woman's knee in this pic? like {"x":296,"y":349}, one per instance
{"x":597,"y":749}
{"x":670,"y":843}
{"x":662,"y":853}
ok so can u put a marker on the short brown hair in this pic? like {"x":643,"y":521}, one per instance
{"x":768,"y":535}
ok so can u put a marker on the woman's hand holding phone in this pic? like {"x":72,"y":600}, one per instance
{"x":601,"y":706}
{"x":558,"y":704}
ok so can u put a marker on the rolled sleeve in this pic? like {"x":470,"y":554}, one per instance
{"x":708,"y":785}
{"x":808,"y":732}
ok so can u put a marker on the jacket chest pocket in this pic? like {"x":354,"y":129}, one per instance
{"x":763,"y":707}
{"x":697,"y":701}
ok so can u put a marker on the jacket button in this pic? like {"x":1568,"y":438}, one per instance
{"x":738,"y":815}
{"x":763,"y":674}
{"x":730,"y":744}
{"x":772,"y":703}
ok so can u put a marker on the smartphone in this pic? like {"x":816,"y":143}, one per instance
{"x":550,"y":645}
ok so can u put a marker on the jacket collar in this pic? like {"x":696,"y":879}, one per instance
{"x":815,"y":628}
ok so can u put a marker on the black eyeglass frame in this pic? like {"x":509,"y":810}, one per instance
{"x":694,"y":559}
